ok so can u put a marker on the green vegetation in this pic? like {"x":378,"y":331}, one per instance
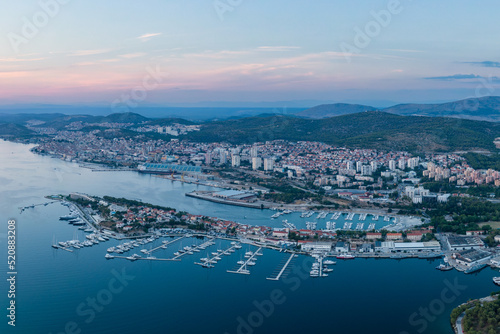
{"x":466,"y":214}
{"x":459,"y":310}
{"x":15,"y":131}
{"x":474,"y":190}
{"x":285,"y":193}
{"x":373,"y":129}
{"x":481,"y":161}
{"x":130,"y":202}
{"x":483,"y":318}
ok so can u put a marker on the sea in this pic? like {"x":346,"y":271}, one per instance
{"x":82,"y":292}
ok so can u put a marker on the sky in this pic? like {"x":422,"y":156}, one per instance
{"x":196,"y":52}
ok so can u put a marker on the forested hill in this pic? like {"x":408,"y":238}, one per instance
{"x":372,"y":129}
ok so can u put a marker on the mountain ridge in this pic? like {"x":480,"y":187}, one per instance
{"x":484,"y":108}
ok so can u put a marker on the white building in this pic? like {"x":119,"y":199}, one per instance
{"x":317,"y":246}
{"x":268,"y":164}
{"x":459,"y":243}
{"x":366,"y":170}
{"x":342,"y":247}
{"x":402,"y":164}
{"x":256,"y":163}
{"x":235,"y":160}
{"x":359,"y":165}
{"x":254,"y":151}
{"x":223,"y":157}
{"x":416,"y":194}
{"x":392,"y":165}
{"x":413,"y":162}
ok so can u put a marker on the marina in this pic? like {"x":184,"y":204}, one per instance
{"x":163,"y":246}
{"x":42,"y":270}
{"x":190,"y":250}
{"x":208,"y":262}
{"x":250,"y":261}
{"x":285,"y":266}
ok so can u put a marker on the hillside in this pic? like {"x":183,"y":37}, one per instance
{"x":374,"y":129}
{"x":331,"y":110}
{"x":484,"y":108}
{"x":14,"y":130}
{"x":128,"y":117}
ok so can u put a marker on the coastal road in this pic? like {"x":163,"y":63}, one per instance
{"x":458,"y":324}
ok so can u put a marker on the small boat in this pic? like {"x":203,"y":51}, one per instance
{"x":109,"y":256}
{"x":346,"y":257}
{"x":444,"y":267}
{"x":68,"y":217}
{"x":496,"y":280}
{"x":329,"y":262}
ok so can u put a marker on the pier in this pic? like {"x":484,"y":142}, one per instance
{"x":277,"y":277}
{"x":163,"y":246}
{"x":190,"y":250}
{"x":63,"y":248}
{"x":243,"y":269}
{"x":32,"y":206}
{"x":139,"y":258}
{"x":209,"y":261}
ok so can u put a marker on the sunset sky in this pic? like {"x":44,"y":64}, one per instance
{"x":93,"y":52}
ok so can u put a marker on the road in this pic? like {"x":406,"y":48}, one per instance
{"x":458,"y":324}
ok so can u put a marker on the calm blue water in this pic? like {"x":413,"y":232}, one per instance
{"x":54,"y":288}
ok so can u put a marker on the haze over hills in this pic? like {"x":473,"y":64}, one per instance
{"x":336,"y":109}
{"x":188,"y":113}
{"x":484,"y":108}
{"x":372,"y":129}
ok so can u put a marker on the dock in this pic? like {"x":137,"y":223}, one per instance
{"x":63,"y":248}
{"x":243,"y":269}
{"x":209,"y":261}
{"x":191,"y":250}
{"x":32,"y":206}
{"x":140,"y":258}
{"x":163,"y":246}
{"x":277,"y":277}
